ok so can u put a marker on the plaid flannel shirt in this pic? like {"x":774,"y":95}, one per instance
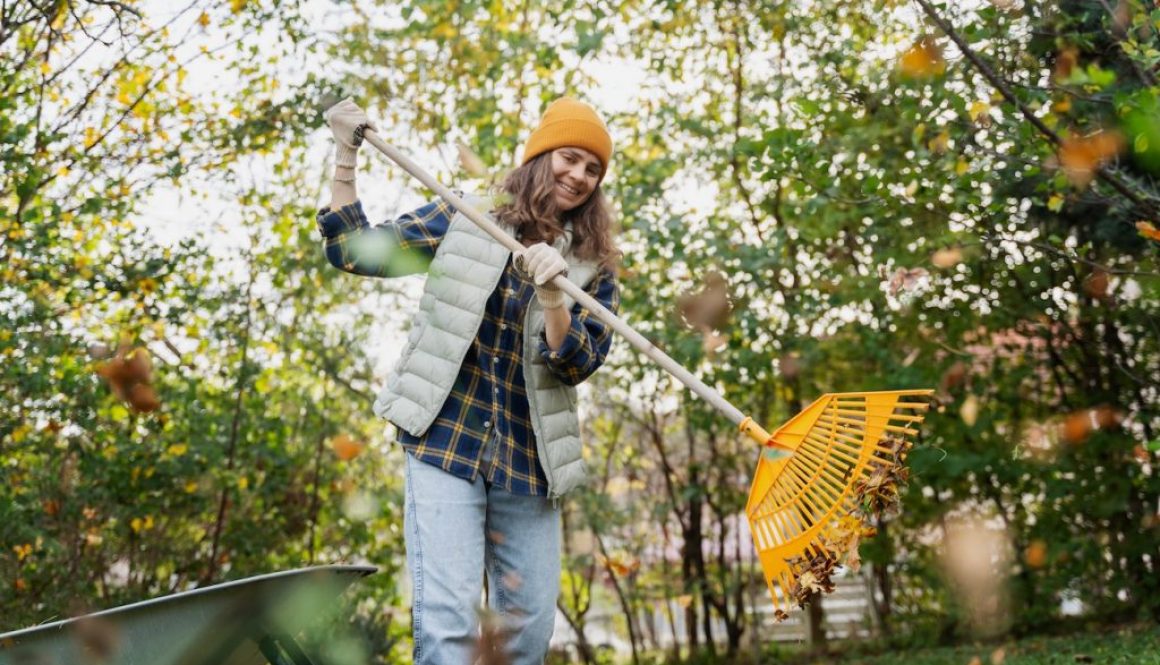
{"x":488,"y":404}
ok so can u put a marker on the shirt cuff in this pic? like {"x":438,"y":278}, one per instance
{"x":334,"y":222}
{"x":571,"y":345}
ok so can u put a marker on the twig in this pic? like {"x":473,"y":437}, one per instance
{"x":1147,"y":205}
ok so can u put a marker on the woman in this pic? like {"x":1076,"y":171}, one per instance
{"x":482,"y":395}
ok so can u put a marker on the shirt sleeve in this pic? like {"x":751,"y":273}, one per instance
{"x":588,"y":340}
{"x":401,"y":247}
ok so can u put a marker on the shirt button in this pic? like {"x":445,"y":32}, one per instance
{"x":486,"y":424}
{"x":494,"y":359}
{"x":503,"y":326}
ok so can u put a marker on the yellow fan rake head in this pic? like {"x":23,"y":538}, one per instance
{"x":800,"y":505}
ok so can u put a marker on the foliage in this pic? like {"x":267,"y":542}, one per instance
{"x":817,"y":196}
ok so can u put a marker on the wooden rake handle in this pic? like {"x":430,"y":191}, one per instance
{"x":744,"y":423}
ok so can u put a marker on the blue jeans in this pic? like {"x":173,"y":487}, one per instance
{"x":455,"y":531}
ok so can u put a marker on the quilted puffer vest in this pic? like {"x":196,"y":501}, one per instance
{"x":466,"y":269}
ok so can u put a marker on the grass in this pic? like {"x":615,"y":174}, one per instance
{"x":1134,"y":645}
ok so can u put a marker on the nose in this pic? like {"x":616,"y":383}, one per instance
{"x":576,"y":173}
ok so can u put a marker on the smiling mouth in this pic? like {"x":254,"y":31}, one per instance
{"x":568,"y":188}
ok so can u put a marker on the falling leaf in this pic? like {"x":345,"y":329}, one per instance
{"x":1036,"y":554}
{"x":947,"y":258}
{"x":1147,"y":230}
{"x":1108,"y":417}
{"x":713,"y":343}
{"x":684,"y":600}
{"x":1076,"y":427}
{"x":904,"y":280}
{"x":345,"y":447}
{"x":779,"y":616}
{"x":618,"y":566}
{"x":709,"y":307}
{"x":143,"y":398}
{"x":1081,"y":157}
{"x":1096,"y":284}
{"x":472,"y":164}
{"x":969,"y":411}
{"x":911,"y":357}
{"x":789,"y":365}
{"x":1065,"y":62}
{"x":512,"y":581}
{"x":922,"y":60}
{"x":954,"y":376}
{"x":939,"y":143}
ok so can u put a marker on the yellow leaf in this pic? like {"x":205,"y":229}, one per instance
{"x":243,"y":482}
{"x":922,"y":60}
{"x":203,"y":20}
{"x":970,"y":410}
{"x":238,"y":5}
{"x":685,"y":600}
{"x":978,"y":109}
{"x":939,"y":143}
{"x":1062,"y":106}
{"x":1055,"y":203}
{"x":190,"y":487}
{"x":961,"y":166}
{"x":177,"y":449}
{"x":946,"y":258}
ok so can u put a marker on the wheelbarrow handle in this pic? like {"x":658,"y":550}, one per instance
{"x":578,"y":294}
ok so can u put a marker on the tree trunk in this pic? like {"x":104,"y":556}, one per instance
{"x":816,"y":620}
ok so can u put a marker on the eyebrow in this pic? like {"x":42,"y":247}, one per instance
{"x":592,"y":162}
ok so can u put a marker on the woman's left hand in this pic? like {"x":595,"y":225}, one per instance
{"x":542,"y":262}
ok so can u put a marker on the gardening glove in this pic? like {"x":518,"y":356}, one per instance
{"x":541,"y":262}
{"x":347,"y":122}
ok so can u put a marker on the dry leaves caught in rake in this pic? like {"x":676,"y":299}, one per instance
{"x":876,"y":496}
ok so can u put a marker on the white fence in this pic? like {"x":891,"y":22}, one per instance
{"x":848,"y":613}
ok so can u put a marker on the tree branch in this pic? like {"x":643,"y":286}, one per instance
{"x":1146,"y":204}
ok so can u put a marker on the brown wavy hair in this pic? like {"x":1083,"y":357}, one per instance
{"x":529,"y":205}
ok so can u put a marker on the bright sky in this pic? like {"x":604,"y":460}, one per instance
{"x":171,"y":214}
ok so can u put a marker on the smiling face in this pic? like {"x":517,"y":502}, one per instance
{"x":577,"y":173}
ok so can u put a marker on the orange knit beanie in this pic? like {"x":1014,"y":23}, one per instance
{"x":569,"y":122}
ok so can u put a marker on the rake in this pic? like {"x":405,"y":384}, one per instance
{"x":808,"y":475}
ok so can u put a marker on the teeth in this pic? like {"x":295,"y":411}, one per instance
{"x":570,"y":190}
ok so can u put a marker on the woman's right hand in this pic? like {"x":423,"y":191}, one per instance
{"x":346,"y":121}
